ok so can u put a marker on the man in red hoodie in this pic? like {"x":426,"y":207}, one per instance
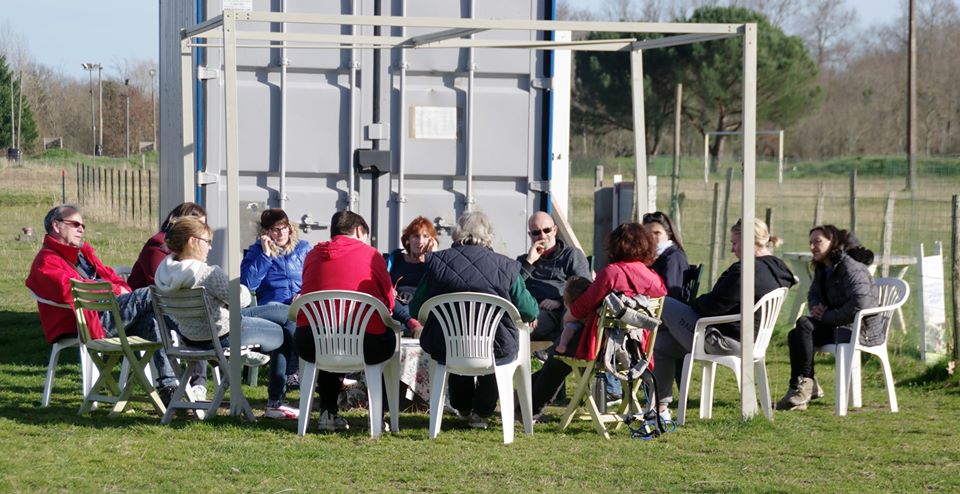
{"x":65,"y":256}
{"x":346,"y":262}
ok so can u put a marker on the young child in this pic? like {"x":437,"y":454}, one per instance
{"x":575,"y":287}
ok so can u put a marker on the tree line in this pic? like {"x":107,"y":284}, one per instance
{"x":836,"y":87}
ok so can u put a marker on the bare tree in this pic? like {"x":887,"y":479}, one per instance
{"x":826,"y":24}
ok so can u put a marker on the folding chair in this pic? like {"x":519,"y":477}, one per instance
{"x":190,"y":305}
{"x":469,"y":324}
{"x":106,"y":353}
{"x":769,"y":308}
{"x":584,"y":370}
{"x":893,"y":294}
{"x":338,"y":321}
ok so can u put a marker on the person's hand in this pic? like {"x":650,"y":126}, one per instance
{"x":533,"y":324}
{"x":536,"y":250}
{"x":817,"y":311}
{"x":124,"y":290}
{"x":550,"y":304}
{"x":431,"y":245}
{"x":265,"y":243}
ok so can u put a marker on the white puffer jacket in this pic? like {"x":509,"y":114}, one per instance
{"x":175,"y":275}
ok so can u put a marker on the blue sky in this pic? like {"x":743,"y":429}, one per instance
{"x":65,"y":33}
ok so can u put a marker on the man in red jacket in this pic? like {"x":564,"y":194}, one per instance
{"x":65,"y":256}
{"x":346,"y":262}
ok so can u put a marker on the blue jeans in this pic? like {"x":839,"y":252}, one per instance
{"x":293,"y":363}
{"x":269,"y":327}
{"x":136,"y":313}
{"x":266,"y":326}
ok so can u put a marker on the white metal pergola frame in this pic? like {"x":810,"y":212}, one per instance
{"x":450,"y":33}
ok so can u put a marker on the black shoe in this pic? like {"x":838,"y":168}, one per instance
{"x":166,"y":394}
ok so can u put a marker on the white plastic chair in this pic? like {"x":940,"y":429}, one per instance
{"x":338,"y":320}
{"x":88,"y":372}
{"x":469,"y":324}
{"x":769,"y":308}
{"x":893,"y":294}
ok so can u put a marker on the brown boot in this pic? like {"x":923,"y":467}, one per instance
{"x":798,"y":396}
{"x":817,"y":390}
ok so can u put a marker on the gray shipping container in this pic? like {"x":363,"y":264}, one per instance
{"x":335,"y":110}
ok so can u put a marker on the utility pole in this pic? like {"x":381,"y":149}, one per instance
{"x":99,"y":151}
{"x":90,"y":67}
{"x":912,"y":101}
{"x":126,"y":85}
{"x":153,"y":106}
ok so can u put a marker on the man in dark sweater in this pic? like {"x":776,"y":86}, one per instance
{"x":545,"y":269}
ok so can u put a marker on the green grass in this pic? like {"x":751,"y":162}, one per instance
{"x":53,"y":449}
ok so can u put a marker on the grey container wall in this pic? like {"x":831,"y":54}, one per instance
{"x":509,"y":132}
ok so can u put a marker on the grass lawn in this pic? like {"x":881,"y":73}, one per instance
{"x":53,"y":449}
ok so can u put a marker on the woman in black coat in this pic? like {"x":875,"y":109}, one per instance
{"x":671,"y":261}
{"x":842,"y":286}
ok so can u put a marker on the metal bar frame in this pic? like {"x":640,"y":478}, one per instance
{"x":228,"y":22}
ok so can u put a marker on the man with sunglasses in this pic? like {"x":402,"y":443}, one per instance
{"x":65,"y":256}
{"x":546,"y":267}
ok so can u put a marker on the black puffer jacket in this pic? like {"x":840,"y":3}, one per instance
{"x":845,"y":290}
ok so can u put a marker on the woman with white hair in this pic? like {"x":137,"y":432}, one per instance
{"x":471,"y":265}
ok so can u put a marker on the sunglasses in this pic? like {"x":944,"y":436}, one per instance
{"x":655,"y":216}
{"x":208,"y":241}
{"x":279,"y":229}
{"x":74,"y":224}
{"x":545,"y":231}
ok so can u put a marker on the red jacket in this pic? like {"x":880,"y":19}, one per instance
{"x":642,"y":280}
{"x":49,"y":278}
{"x":152,"y":254}
{"x":346,"y":263}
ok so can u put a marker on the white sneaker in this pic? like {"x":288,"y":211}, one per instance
{"x":665,"y":415}
{"x":282,"y":412}
{"x":332,"y":422}
{"x":255,"y":359}
{"x":199,"y":392}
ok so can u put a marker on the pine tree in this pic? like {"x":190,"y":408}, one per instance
{"x":10,"y":105}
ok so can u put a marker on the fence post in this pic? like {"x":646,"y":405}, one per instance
{"x":150,"y":193}
{"x":63,"y":186}
{"x":853,"y":200}
{"x":955,"y":275}
{"x":127,"y":198}
{"x":598,"y":178}
{"x":887,"y":234}
{"x":113,"y":195}
{"x":818,"y":212}
{"x":726,"y":208}
{"x":140,"y":188}
{"x":769,"y":219}
{"x":77,"y":166}
{"x":675,"y":177}
{"x":714,"y":234}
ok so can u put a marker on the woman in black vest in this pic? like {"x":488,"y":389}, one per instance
{"x":471,"y":265}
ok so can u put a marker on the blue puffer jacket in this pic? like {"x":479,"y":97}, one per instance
{"x":275,"y":279}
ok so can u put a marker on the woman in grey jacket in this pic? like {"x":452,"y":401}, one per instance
{"x":842,"y":286}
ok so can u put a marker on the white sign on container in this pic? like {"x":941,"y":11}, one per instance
{"x":433,"y":122}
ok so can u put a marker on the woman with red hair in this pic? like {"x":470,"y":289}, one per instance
{"x":406,"y":267}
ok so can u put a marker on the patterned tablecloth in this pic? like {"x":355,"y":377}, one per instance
{"x":414,"y":369}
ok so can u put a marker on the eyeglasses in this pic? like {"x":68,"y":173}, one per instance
{"x":279,"y":229}
{"x":208,"y":241}
{"x":545,"y":231}
{"x":74,"y":224}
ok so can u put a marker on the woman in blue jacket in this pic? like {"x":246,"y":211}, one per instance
{"x":273,"y":268}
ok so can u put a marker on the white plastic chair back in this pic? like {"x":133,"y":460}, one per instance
{"x":893,"y":294}
{"x":769,"y":308}
{"x":469,"y":324}
{"x":338,"y":320}
{"x":88,"y":371}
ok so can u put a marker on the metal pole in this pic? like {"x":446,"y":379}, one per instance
{"x":912,"y":100}
{"x":126,"y":83}
{"x":153,"y":106}
{"x":955,"y":275}
{"x":748,"y":395}
{"x":100,"y":101}
{"x":675,"y":182}
{"x":471,"y":74}
{"x":641,"y":202}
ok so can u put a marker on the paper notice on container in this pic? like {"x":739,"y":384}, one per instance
{"x":246,"y":5}
{"x":933,"y":314}
{"x":433,"y":122}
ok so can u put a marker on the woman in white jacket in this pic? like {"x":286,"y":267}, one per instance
{"x":190,"y":241}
